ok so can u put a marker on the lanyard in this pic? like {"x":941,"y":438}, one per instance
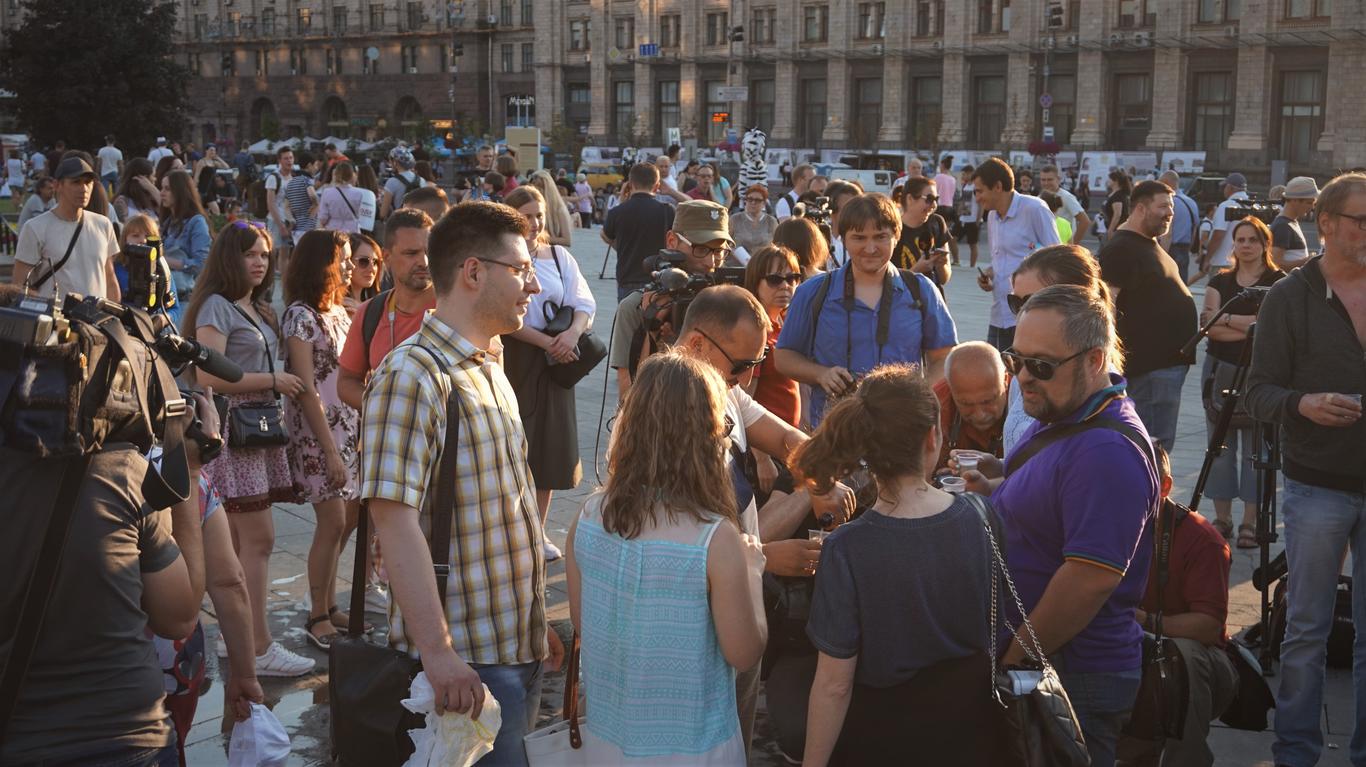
{"x":884,"y":317}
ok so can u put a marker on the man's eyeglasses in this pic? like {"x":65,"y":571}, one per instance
{"x":737,"y":367}
{"x":718,"y":254}
{"x":1360,"y":220}
{"x":526,"y":272}
{"x":1041,"y":369}
{"x":1016,"y":303}
{"x":776,"y":280}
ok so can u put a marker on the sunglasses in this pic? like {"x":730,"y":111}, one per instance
{"x":1016,"y":303}
{"x":1042,"y":370}
{"x":776,"y":280}
{"x":737,"y":367}
{"x":754,"y":199}
{"x":365,"y":261}
{"x":930,"y":198}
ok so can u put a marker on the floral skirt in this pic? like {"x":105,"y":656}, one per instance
{"x":252,"y":478}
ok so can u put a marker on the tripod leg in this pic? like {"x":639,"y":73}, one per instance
{"x":602,"y":275}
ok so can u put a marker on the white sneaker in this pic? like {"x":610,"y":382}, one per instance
{"x":552,"y":552}
{"x":278,"y":661}
{"x":222,"y":646}
{"x":376,"y":598}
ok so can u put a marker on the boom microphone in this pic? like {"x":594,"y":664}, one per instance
{"x":182,"y":350}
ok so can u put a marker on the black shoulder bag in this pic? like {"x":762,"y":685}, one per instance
{"x":591,"y":349}
{"x":258,"y":424}
{"x":369,"y":723}
{"x":1159,"y":709}
{"x":70,"y":246}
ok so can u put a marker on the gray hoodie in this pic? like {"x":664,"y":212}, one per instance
{"x":1305,"y":343}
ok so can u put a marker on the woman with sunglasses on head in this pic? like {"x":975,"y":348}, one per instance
{"x":367,"y":257}
{"x":925,"y":238}
{"x":753,"y":229}
{"x":1252,"y":267}
{"x":547,"y":408}
{"x":231,"y":315}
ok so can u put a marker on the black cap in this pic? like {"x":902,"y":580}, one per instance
{"x":73,"y":167}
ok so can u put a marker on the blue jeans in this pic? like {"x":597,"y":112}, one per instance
{"x":1320,"y":524}
{"x":1157,"y":399}
{"x":1181,"y":254}
{"x":518,"y":690}
{"x":1001,"y":338}
{"x":1102,"y":700}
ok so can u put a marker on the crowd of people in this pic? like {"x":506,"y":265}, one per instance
{"x":808,"y":472}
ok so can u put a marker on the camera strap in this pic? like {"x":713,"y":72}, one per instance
{"x":70,"y":247}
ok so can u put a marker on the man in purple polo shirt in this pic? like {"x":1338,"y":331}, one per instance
{"x":1075,"y":514}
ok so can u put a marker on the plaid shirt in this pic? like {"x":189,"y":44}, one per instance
{"x":495,"y":603}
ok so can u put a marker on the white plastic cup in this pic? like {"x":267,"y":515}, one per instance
{"x":967,"y":462}
{"x":953,"y":485}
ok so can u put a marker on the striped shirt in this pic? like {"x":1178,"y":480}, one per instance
{"x":495,"y":603}
{"x":300,"y":204}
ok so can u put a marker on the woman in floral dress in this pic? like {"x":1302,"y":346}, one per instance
{"x":322,"y":429}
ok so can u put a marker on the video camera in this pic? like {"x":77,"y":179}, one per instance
{"x":678,"y":287}
{"x":149,"y":277}
{"x":1260,"y":208}
{"x":817,"y":212}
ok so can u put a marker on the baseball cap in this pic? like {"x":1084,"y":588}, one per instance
{"x":1236,"y":180}
{"x":73,"y":167}
{"x":701,"y":221}
{"x":1301,"y":188}
{"x":403,"y":157}
{"x":161,"y":139}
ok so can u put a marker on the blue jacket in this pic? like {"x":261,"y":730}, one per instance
{"x":190,"y":237}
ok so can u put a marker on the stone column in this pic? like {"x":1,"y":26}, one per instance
{"x":895,"y":82}
{"x":645,"y":97}
{"x":953,"y":130}
{"x":1090,"y":130}
{"x":1169,"y":110}
{"x":785,"y":110}
{"x":838,"y":100}
{"x":1345,"y":125}
{"x":691,"y":119}
{"x":1253,"y":104}
{"x":1021,"y":95}
{"x":603,"y":98}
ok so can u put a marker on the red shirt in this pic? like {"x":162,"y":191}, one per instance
{"x":963,"y":435}
{"x":388,"y":334}
{"x":775,"y":391}
{"x":1197,"y":577}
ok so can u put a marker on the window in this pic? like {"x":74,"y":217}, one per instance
{"x":201,"y":25}
{"x":505,"y":13}
{"x":193,"y":62}
{"x":624,"y":33}
{"x":624,"y":111}
{"x":268,"y":22}
{"x":1307,"y":9}
{"x":1135,"y":13}
{"x":303,"y":20}
{"x":528,"y":57}
{"x":368,"y":66}
{"x":669,"y":26}
{"x":1212,"y":109}
{"x":506,"y":54}
{"x":578,"y":35}
{"x":263,"y":63}
{"x":414,"y":15}
{"x":717,"y":33}
{"x":443,"y":57}
{"x":580,"y":94}
{"x":579,"y":107}
{"x":716,"y":111}
{"x":376,"y":17}
{"x":763,"y":95}
{"x":233,"y":26}
{"x":927,"y":100}
{"x":1063,"y":114}
{"x":1133,"y":110}
{"x":812,"y":96}
{"x":989,"y":109}
{"x":816,"y":27}
{"x":527,"y":14}
{"x":298,"y":61}
{"x":229,"y":65}
{"x":867,"y":111}
{"x":331,"y":61}
{"x":929,"y":18}
{"x":872,"y":21}
{"x":409,"y":59}
{"x":763,"y":30}
{"x":668,"y":107}
{"x":339,"y":21}
{"x":1301,"y":114}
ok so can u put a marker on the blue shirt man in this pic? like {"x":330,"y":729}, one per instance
{"x":1017,"y":225}
{"x":1185,"y":223}
{"x":843,"y":324}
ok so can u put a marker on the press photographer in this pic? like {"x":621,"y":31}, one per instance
{"x":100,"y":555}
{"x":1308,"y":376}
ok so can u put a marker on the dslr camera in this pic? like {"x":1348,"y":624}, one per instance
{"x":1260,"y":208}
{"x":674,"y":289}
{"x":817,"y":212}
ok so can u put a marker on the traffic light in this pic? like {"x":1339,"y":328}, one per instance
{"x":737,"y":34}
{"x":1054,"y":16}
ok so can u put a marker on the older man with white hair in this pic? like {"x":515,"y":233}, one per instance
{"x":972,"y":401}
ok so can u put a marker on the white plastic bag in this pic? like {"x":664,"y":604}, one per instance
{"x":450,"y":740}
{"x":259,"y":741}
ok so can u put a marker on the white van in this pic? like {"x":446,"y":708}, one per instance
{"x":870,"y":180}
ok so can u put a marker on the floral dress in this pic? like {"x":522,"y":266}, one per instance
{"x":326,"y":332}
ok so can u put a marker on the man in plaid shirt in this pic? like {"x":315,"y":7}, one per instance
{"x":493,"y":627}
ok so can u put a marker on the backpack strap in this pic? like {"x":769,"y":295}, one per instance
{"x":823,"y":290}
{"x":1047,"y":437}
{"x":374,"y":311}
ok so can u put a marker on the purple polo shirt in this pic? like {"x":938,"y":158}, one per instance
{"x":1085,"y":498}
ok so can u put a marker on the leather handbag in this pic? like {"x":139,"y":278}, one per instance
{"x":566,"y":743}
{"x":1041,"y":726}
{"x":369,"y":724}
{"x":591,"y":349}
{"x":1159,"y":711}
{"x":1212,"y":390}
{"x":258,"y":424}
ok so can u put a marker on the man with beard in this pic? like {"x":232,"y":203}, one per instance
{"x":389,"y":318}
{"x":972,"y":400}
{"x":1075,"y":504}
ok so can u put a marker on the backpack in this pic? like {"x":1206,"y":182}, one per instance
{"x":370,"y":321}
{"x":258,"y":196}
{"x":907,"y":276}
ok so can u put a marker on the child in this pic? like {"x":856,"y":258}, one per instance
{"x":137,"y":231}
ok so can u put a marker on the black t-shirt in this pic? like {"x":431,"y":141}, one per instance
{"x":1226,"y":283}
{"x":1287,"y":235}
{"x":637,"y":226}
{"x":1155,"y":314}
{"x":1118,"y":196}
{"x":916,"y":243}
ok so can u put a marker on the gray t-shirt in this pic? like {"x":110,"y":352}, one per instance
{"x":94,"y":684}
{"x":1287,"y":235}
{"x":629,"y":320}
{"x":245,"y":345}
{"x":396,"y":186}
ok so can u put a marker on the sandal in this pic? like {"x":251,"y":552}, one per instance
{"x":1225,"y":527}
{"x":323,"y":642}
{"x":1247,"y":536}
{"x":343,"y":623}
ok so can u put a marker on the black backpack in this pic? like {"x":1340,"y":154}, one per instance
{"x":370,"y":320}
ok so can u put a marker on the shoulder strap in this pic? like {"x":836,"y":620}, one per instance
{"x":370,"y":320}
{"x":1169,"y":516}
{"x":270,"y":358}
{"x":408,"y":185}
{"x":822,"y":291}
{"x":70,"y":246}
{"x":342,"y":194}
{"x":1049,"y":436}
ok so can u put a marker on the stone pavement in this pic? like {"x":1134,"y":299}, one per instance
{"x":301,"y":704}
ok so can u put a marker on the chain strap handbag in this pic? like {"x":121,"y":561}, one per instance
{"x":258,"y":424}
{"x":1041,"y":726}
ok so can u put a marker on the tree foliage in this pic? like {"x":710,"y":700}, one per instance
{"x":80,"y":69}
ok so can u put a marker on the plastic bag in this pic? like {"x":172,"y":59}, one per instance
{"x":450,"y":740}
{"x":259,"y":741}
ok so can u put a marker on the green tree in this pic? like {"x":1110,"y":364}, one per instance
{"x":80,"y":69}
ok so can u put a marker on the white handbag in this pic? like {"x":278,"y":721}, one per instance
{"x":563,"y":744}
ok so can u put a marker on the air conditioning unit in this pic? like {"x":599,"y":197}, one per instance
{"x":1116,"y":40}
{"x":412,"y":70}
{"x":877,"y":49}
{"x":1142,"y":39}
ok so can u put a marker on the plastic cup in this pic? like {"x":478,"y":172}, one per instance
{"x":953,"y":485}
{"x":967,"y":462}
{"x":816,"y":535}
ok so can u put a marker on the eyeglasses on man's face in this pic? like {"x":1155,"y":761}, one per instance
{"x":527,"y":272}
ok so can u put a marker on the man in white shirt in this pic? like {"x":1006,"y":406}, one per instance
{"x":278,"y":220}
{"x":1017,"y":225}
{"x":159,"y":151}
{"x":69,"y":249}
{"x":38,"y":161}
{"x":668,"y":182}
{"x":1220,"y":245}
{"x":111,"y":161}
{"x":1072,"y":209}
{"x":801,"y":181}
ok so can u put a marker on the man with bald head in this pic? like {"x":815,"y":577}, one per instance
{"x":668,"y":182}
{"x":972,"y":400}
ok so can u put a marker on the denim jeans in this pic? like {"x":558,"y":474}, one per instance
{"x":518,"y":690}
{"x":1157,"y":399}
{"x":1320,"y":524}
{"x":1102,"y":701}
{"x":1181,"y":254}
{"x":1001,"y":338}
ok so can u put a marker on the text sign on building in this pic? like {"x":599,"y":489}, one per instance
{"x":1048,"y":133}
{"x":720,"y":117}
{"x":649,"y":49}
{"x":733,"y":93}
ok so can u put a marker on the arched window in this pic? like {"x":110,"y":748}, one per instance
{"x":408,"y":119}
{"x":264,"y":123}
{"x":335,"y":120}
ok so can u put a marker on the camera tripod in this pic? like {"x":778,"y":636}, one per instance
{"x":1266,"y":463}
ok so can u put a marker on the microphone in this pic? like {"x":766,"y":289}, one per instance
{"x":182,"y":350}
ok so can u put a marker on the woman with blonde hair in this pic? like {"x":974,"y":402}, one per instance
{"x":664,"y":589}
{"x":559,"y":224}
{"x":343,"y":206}
{"x":137,"y":231}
